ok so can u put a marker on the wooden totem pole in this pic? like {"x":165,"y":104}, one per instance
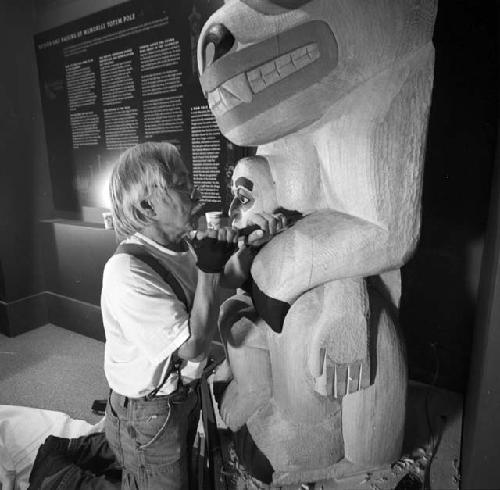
{"x":336,"y":95}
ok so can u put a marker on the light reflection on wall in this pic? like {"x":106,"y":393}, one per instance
{"x":101,"y":196}
{"x":92,"y":176}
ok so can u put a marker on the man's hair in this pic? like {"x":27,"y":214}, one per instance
{"x":140,"y":171}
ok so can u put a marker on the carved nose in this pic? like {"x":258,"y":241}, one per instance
{"x":217,"y":42}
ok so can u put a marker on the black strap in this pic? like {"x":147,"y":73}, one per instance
{"x":214,"y":476}
{"x":174,"y":365}
{"x":140,"y":253}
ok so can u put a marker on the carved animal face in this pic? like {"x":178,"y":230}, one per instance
{"x":272,"y":67}
{"x":253,"y":190}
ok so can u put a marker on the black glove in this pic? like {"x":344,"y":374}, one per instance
{"x":212,"y":254}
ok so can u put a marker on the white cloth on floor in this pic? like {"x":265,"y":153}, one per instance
{"x":23,"y":430}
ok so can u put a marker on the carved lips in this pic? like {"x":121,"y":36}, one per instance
{"x":242,"y":87}
{"x":246,"y":82}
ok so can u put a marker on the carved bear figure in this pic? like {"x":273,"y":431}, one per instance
{"x":335,"y":94}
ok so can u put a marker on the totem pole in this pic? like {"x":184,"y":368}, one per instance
{"x":336,"y":95}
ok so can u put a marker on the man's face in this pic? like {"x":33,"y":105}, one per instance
{"x":176,"y":207}
{"x":253,"y":191}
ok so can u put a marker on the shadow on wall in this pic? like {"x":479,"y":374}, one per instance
{"x":440,"y":282}
{"x":4,"y":319}
{"x":2,"y":284}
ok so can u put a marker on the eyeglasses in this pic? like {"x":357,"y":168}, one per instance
{"x":195,"y":194}
{"x":187,"y":188}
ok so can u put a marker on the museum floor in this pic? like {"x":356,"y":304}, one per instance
{"x":55,"y":369}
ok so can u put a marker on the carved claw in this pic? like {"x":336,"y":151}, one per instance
{"x":340,"y":379}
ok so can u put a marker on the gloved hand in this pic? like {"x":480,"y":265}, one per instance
{"x":213,"y":248}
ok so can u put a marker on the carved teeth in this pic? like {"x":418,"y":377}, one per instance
{"x":228,"y":98}
{"x":238,"y":86}
{"x":241,"y":88}
{"x":285,"y":66}
{"x":213,"y":99}
{"x":230,"y":94}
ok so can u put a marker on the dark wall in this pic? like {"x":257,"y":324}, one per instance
{"x":75,"y":256}
{"x":481,"y":431}
{"x":74,"y":261}
{"x":48,"y":271}
{"x":20,"y":124}
{"x":440,"y":283}
{"x":25,"y":191}
{"x":16,"y":142}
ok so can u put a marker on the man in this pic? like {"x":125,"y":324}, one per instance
{"x":146,"y":323}
{"x":160,"y":303}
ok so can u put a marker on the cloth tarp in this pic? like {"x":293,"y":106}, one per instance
{"x":23,"y":430}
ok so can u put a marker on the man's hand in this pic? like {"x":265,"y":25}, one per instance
{"x":213,"y":248}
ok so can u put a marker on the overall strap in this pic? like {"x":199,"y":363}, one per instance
{"x":140,"y":253}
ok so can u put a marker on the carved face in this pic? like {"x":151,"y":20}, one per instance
{"x":271,"y":67}
{"x":253,"y":190}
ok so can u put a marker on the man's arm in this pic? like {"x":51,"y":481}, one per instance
{"x":213,"y":248}
{"x":204,"y":315}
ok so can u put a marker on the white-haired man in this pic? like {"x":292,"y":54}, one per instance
{"x":160,"y":303}
{"x":150,"y":320}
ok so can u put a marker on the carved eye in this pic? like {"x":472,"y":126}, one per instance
{"x":243,"y":196}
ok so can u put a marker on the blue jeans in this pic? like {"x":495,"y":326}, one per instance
{"x":152,"y":440}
